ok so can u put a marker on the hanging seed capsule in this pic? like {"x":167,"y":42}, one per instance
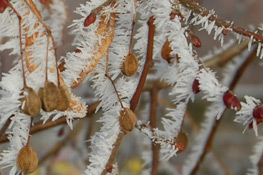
{"x":181,"y":141}
{"x":166,"y":50}
{"x":27,"y":160}
{"x":127,"y":119}
{"x":89,"y":20}
{"x":130,"y":65}
{"x":3,"y":5}
{"x":31,"y":103}
{"x":64,"y":100}
{"x":49,"y":96}
{"x":231,"y":101}
{"x":195,"y":86}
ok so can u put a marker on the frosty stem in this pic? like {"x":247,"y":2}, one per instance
{"x":20,"y":41}
{"x":108,"y":76}
{"x":148,"y":63}
{"x":196,"y":8}
{"x":133,"y":24}
{"x":232,"y":86}
{"x":33,"y":8}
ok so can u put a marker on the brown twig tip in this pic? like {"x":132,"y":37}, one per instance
{"x":196,"y":8}
{"x":147,"y":65}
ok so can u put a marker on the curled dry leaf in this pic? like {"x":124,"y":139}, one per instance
{"x":30,"y":104}
{"x":30,"y":39}
{"x":130,"y":65}
{"x":127,"y":119}
{"x":106,"y":30}
{"x":27,"y":160}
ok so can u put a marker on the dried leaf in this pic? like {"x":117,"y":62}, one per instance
{"x":106,"y":30}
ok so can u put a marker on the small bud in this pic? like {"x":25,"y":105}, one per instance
{"x":127,"y":119}
{"x":196,"y":41}
{"x":89,"y":20}
{"x":195,"y":86}
{"x":224,"y":31}
{"x":49,"y":96}
{"x":231,"y":101}
{"x":181,"y":141}
{"x":31,"y":103}
{"x":27,"y":160}
{"x":130,"y":65}
{"x":3,"y":5}
{"x":166,"y":50}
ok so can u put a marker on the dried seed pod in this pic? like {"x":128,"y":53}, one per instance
{"x":49,"y":96}
{"x":89,"y":20}
{"x":181,"y":141}
{"x":64,"y":100}
{"x":27,"y":160}
{"x":130,"y":65}
{"x":166,"y":50}
{"x":127,"y":119}
{"x":231,"y":101}
{"x":3,"y":5}
{"x":31,"y":103}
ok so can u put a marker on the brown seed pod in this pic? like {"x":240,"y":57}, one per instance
{"x":64,"y":100}
{"x":27,"y":160}
{"x":49,"y":96}
{"x":31,"y":103}
{"x":166,"y":50}
{"x":130,"y":65}
{"x":181,"y":141}
{"x":127,"y":119}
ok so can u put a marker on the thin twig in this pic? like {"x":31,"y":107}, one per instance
{"x":221,"y":59}
{"x":196,"y":8}
{"x":4,"y":128}
{"x":210,"y":139}
{"x":153,"y":124}
{"x":132,"y":30}
{"x":148,"y":63}
{"x":108,"y":76}
{"x":20,"y":41}
{"x":39,"y":126}
{"x":114,"y":152}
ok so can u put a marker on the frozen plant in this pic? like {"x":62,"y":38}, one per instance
{"x":124,"y":51}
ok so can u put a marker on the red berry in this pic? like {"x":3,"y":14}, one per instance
{"x":3,"y":5}
{"x":196,"y":41}
{"x":195,"y":86}
{"x":89,"y":20}
{"x":231,"y":101}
